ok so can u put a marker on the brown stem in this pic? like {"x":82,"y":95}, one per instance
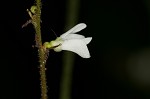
{"x":41,"y":52}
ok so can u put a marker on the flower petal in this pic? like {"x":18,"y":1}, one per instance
{"x":75,"y":29}
{"x":73,"y":36}
{"x":87,"y":40}
{"x":77,"y":46}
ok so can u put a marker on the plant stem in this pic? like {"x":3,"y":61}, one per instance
{"x":68,"y":58}
{"x":41,"y":52}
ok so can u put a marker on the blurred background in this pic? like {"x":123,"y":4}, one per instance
{"x":119,"y":67}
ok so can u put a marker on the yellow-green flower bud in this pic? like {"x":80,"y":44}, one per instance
{"x":33,"y":9}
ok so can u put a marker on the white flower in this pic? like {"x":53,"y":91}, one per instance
{"x":73,"y":42}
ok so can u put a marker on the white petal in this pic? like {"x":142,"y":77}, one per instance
{"x":77,"y":46}
{"x":75,"y":29}
{"x":58,"y":49}
{"x":73,"y":36}
{"x":87,"y":40}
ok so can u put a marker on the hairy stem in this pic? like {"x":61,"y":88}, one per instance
{"x":41,"y":52}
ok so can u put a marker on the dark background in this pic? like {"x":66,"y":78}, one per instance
{"x":119,"y":66}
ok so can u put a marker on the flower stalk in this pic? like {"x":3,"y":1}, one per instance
{"x":41,"y":52}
